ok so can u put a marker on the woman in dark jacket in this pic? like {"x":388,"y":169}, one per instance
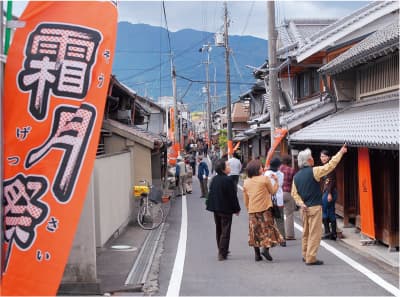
{"x":223,"y":201}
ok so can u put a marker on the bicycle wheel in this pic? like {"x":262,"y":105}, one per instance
{"x":151,"y":216}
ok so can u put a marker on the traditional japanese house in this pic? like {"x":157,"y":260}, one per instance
{"x":305,"y":45}
{"x":365,"y":84}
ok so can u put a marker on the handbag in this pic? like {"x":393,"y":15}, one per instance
{"x":276,"y":213}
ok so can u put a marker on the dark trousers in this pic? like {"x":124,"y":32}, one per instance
{"x":223,"y":223}
{"x":204,"y":187}
{"x":235,"y":179}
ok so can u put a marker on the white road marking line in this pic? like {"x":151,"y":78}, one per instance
{"x":368,"y":273}
{"x":177,"y":272}
{"x":357,"y":266}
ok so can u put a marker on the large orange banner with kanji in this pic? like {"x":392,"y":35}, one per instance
{"x":56,"y":81}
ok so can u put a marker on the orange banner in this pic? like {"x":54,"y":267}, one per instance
{"x":236,"y":146}
{"x":172,"y":124}
{"x":56,"y":81}
{"x":279,"y":134}
{"x":230,"y":148}
{"x":365,"y":193}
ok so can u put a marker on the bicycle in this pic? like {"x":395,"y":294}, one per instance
{"x":151,"y":214}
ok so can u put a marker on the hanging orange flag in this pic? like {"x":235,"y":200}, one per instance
{"x":279,"y":134}
{"x":56,"y":81}
{"x":365,"y":193}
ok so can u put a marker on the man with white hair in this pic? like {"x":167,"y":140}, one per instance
{"x":307,"y":193}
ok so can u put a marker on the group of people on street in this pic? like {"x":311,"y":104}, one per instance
{"x":311,"y":188}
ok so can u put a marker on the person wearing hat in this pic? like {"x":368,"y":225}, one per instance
{"x":274,"y":169}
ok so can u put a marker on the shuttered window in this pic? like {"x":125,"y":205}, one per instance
{"x":380,"y":76}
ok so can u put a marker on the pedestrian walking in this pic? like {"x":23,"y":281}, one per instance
{"x":180,"y":174}
{"x":213,"y":159}
{"x":202,"y":175}
{"x":274,"y":170}
{"x":205,"y":149}
{"x":236,"y":167}
{"x":192,"y":161}
{"x":223,"y":201}
{"x":188,"y":178}
{"x":288,"y":201}
{"x":329,"y":197}
{"x":307,"y":193}
{"x":257,"y":191}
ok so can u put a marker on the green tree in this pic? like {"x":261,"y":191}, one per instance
{"x":223,"y":140}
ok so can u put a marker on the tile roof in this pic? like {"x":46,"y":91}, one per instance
{"x":302,"y":113}
{"x":134,"y":133}
{"x":295,"y":33}
{"x":351,"y":22}
{"x":377,"y":44}
{"x":370,"y":124}
{"x":240,"y":112}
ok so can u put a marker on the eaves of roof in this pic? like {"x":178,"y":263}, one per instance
{"x":240,"y":137}
{"x":133,"y":133}
{"x":372,"y":124}
{"x":380,"y":43}
{"x":345,"y":26}
{"x":303,"y":113}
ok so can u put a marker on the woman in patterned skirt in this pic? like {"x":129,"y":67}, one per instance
{"x":257,"y":190}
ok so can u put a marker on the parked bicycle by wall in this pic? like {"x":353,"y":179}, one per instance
{"x":150,"y":214}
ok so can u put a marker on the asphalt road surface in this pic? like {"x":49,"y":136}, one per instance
{"x":189,"y":265}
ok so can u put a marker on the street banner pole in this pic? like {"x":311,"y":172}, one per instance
{"x":56,"y":83}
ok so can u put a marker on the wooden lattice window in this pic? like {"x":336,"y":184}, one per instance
{"x":381,"y":76}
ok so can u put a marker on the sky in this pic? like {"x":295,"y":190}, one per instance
{"x":246,"y":17}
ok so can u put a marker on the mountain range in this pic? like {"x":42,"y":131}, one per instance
{"x":142,"y":62}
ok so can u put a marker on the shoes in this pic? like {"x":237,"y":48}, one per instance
{"x":202,"y":197}
{"x":257,"y":255}
{"x":266,"y":254}
{"x":317,"y":262}
{"x":221,"y":258}
{"x":290,"y":238}
{"x":283,"y":243}
{"x":303,"y":259}
{"x":326,"y":235}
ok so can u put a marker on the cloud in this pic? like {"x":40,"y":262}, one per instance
{"x":246,"y":17}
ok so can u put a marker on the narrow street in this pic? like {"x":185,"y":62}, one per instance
{"x":195,"y":270}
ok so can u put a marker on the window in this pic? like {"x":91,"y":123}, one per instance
{"x":380,"y":76}
{"x":306,"y":84}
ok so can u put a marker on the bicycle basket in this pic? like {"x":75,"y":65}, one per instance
{"x":140,"y":190}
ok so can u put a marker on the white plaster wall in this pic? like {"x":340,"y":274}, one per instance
{"x":113,"y":195}
{"x":81,"y":265}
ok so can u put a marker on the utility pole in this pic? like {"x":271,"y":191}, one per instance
{"x":228,"y":82}
{"x":273,"y":73}
{"x":176,"y":127}
{"x":207,"y":48}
